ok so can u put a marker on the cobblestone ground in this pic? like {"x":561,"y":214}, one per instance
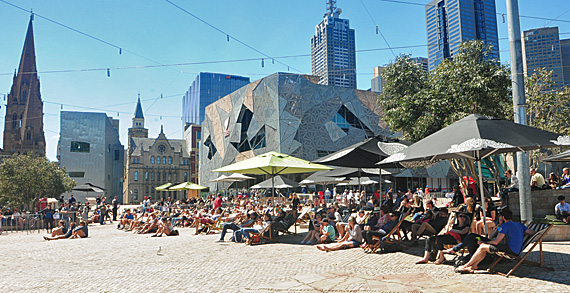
{"x":115,"y":261}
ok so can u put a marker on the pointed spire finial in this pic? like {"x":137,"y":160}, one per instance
{"x":31,"y":14}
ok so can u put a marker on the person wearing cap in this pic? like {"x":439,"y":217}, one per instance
{"x":328,"y":234}
{"x":562,"y":210}
{"x":353,"y":238}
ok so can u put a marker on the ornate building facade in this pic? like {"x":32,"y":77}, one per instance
{"x":151,"y":162}
{"x":24,"y":126}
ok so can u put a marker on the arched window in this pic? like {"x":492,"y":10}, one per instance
{"x":146,"y":176}
{"x":169,"y":160}
{"x":164,"y":160}
{"x":14,"y":120}
{"x":136,"y":176}
{"x":136,"y":194}
{"x":152,"y":160}
{"x":185,"y":177}
{"x":158,"y":160}
{"x":157,"y":176}
{"x":146,"y":191}
{"x":164,"y":176}
{"x":152,"y":176}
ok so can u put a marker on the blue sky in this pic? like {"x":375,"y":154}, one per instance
{"x":162,"y":33}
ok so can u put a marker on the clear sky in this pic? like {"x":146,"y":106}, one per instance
{"x":163,"y":34}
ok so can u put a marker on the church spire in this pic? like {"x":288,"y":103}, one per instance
{"x":28,"y":59}
{"x":138,"y":110}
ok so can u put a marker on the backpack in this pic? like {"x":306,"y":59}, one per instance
{"x":238,"y":237}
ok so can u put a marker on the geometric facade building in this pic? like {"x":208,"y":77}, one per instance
{"x":286,"y":113}
{"x":541,"y":49}
{"x":451,"y":22}
{"x":206,"y":89}
{"x":24,"y":120}
{"x":151,"y":162}
{"x":91,"y":152}
{"x":333,"y":55}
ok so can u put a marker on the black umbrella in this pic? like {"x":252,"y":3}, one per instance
{"x":477,"y":137}
{"x":364,"y":154}
{"x":561,"y":157}
{"x":88,"y":187}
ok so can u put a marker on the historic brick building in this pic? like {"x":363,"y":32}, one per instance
{"x":151,"y":162}
{"x":24,"y":126}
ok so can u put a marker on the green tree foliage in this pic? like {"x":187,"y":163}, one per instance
{"x":418,"y":104}
{"x":547,"y":108}
{"x":24,"y":179}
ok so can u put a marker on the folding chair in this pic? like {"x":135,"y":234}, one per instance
{"x":395,"y":232}
{"x":540,"y":231}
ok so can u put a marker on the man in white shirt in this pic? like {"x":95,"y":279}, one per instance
{"x":562,"y":210}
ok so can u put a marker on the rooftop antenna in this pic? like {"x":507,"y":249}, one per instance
{"x":331,"y":7}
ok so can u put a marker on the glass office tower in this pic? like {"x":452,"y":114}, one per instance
{"x":206,"y":89}
{"x":450,"y":22}
{"x":333,"y":56}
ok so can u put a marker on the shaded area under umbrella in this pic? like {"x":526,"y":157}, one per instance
{"x":279,"y":182}
{"x":476,"y":137}
{"x":272,"y":163}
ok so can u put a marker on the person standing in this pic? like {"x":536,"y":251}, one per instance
{"x":71,"y":200}
{"x":65,"y":214}
{"x":115,"y":203}
{"x":48,"y":218}
{"x":218,"y":202}
{"x":295,"y":202}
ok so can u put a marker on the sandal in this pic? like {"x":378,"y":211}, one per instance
{"x":457,"y":270}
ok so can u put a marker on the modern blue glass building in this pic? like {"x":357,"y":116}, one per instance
{"x":206,"y":89}
{"x":450,"y":22}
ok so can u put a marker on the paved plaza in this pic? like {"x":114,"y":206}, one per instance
{"x":115,"y":261}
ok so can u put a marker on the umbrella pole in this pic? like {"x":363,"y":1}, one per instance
{"x":273,"y":190}
{"x":482,"y":195}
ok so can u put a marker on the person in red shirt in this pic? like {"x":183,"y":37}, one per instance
{"x":218,"y":201}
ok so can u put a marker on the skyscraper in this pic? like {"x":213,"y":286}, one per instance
{"x":541,"y":49}
{"x":206,"y":89}
{"x":450,"y":22}
{"x":333,"y":56}
{"x":24,"y":120}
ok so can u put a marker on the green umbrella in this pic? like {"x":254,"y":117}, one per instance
{"x":272,"y":163}
{"x":187,"y":186}
{"x":164,"y":187}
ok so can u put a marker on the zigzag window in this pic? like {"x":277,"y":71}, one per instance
{"x":345,"y":119}
{"x":211,"y":148}
{"x":258,"y":141}
{"x":244,"y":119}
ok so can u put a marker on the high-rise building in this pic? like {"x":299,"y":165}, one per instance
{"x":24,"y":120}
{"x":451,"y":22}
{"x":541,"y":49}
{"x":377,"y":83}
{"x":333,"y":56}
{"x":423,"y":61}
{"x":91,"y":152}
{"x":565,"y":53}
{"x":206,"y":89}
{"x":151,"y":162}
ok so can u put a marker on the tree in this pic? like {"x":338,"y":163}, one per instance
{"x":24,"y":179}
{"x":418,"y":104}
{"x":547,"y":107}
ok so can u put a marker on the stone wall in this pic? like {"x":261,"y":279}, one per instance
{"x":543,"y":202}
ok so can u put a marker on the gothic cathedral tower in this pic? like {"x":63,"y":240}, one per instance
{"x":24,"y":121}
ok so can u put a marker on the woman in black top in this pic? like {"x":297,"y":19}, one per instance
{"x":435,"y":244}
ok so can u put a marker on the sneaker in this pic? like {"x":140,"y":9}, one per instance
{"x":220,"y":240}
{"x":303,"y":242}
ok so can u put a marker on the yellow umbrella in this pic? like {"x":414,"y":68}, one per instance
{"x":187,"y":186}
{"x":164,"y":187}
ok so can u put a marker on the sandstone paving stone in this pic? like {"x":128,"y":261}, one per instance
{"x":115,"y":261}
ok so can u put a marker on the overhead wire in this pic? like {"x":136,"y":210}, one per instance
{"x":378,"y":30}
{"x":228,"y":36}
{"x":121,"y":49}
